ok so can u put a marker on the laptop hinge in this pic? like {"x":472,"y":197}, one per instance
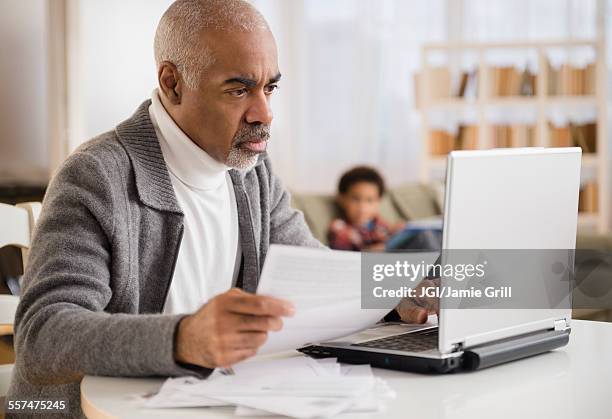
{"x":511,"y":349}
{"x":561,"y":324}
{"x":458,"y":347}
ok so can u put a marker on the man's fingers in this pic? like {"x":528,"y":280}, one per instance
{"x":413,"y":314}
{"x":417,"y":309}
{"x":249,"y":323}
{"x":245,"y":340}
{"x":233,"y":357}
{"x":430,"y":303}
{"x":259,"y":305}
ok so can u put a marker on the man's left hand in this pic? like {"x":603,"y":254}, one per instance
{"x":417,"y":309}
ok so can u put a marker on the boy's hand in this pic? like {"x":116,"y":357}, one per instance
{"x":397,"y":227}
{"x":378,"y":247}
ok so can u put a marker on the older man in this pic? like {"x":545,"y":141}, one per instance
{"x":153,"y":235}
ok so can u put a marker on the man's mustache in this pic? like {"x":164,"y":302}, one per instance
{"x":248,"y":133}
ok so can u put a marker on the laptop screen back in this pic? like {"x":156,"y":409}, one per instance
{"x":508,"y":199}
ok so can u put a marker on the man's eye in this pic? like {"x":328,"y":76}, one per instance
{"x":270,"y":88}
{"x":238,"y":93}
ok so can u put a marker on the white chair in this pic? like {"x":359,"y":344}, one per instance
{"x":33,"y":210}
{"x":16,"y":227}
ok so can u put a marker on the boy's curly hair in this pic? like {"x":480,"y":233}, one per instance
{"x":361,"y":174}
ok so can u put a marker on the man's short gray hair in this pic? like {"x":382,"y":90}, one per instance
{"x":177,"y":38}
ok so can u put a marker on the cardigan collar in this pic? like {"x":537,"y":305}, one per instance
{"x":153,"y":184}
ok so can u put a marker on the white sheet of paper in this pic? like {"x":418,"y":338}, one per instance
{"x":372,"y":402}
{"x":190,"y":391}
{"x":304,"y":398}
{"x":299,"y":387}
{"x":325,"y":287}
{"x":178,"y":392}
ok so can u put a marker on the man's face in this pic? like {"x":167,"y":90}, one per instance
{"x":229,"y":114}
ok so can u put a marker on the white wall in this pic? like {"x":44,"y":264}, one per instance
{"x":346,"y":97}
{"x":347,"y":91}
{"x":23,"y":116}
{"x":111,"y":64}
{"x":111,"y":71}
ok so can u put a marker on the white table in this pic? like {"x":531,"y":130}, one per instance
{"x":573,"y":382}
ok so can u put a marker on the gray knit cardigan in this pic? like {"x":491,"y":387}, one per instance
{"x":103,"y":256}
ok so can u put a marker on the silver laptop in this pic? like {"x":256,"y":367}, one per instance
{"x":496,"y":199}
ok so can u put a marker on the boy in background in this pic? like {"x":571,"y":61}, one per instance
{"x":360,"y":226}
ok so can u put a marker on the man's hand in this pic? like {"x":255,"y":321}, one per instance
{"x":416,"y":310}
{"x":229,"y":328}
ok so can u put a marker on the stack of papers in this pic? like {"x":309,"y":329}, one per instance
{"x":298,"y":387}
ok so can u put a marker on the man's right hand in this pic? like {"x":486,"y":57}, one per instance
{"x":229,"y":328}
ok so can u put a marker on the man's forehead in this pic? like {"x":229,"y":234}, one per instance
{"x":250,"y":55}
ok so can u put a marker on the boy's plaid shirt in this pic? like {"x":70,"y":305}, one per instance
{"x":344,"y":236}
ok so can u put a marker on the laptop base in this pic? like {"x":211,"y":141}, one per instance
{"x":476,"y":358}
{"x":383,"y":360}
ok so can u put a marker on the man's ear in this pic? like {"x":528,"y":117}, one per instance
{"x":170,"y":82}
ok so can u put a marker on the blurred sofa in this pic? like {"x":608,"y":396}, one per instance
{"x":407,"y":202}
{"x":415,"y":201}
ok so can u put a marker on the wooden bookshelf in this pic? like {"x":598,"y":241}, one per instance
{"x":539,"y":91}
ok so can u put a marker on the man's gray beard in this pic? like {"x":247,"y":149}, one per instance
{"x":241,"y":159}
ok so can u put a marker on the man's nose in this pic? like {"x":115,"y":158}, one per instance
{"x":259,"y":111}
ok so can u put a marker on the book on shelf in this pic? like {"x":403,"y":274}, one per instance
{"x":506,"y":136}
{"x":528,"y":85}
{"x":467,"y":137}
{"x":511,"y":81}
{"x":507,"y":81}
{"x":463,"y":84}
{"x":442,"y":85}
{"x":573,"y":135}
{"x":468,"y":87}
{"x":571,"y":80}
{"x":443,"y":142}
{"x":588,"y":200}
{"x":439,"y":86}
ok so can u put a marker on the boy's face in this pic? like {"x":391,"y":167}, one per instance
{"x":361,"y":203}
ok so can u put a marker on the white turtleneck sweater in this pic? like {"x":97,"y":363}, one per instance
{"x":209,"y":256}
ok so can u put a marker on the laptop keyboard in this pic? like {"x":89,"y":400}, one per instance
{"x":421,"y":341}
